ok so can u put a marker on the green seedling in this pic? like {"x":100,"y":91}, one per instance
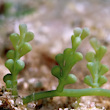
{"x":65,"y":60}
{"x":14,"y":63}
{"x":94,"y":65}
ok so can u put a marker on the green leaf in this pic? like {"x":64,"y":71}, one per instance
{"x":71,"y":58}
{"x":8,"y":84}
{"x":10,"y":54}
{"x":95,"y":44}
{"x":56,"y":71}
{"x":60,"y":59}
{"x":88,"y":80}
{"x":73,"y":38}
{"x":78,"y":56}
{"x":70,"y":79}
{"x":103,"y":69}
{"x":102,"y":80}
{"x":19,"y":65}
{"x":85,"y":33}
{"x":92,"y":68}
{"x":25,"y":49}
{"x":67,"y":52}
{"x":28,"y":36}
{"x":76,"y":43}
{"x":77,"y":31}
{"x":14,"y":39}
{"x":23,"y":29}
{"x":7,"y":77}
{"x":90,"y":56}
{"x":9,"y":64}
{"x":100,"y":52}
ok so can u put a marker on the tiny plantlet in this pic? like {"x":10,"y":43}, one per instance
{"x":14,"y":64}
{"x":65,"y":60}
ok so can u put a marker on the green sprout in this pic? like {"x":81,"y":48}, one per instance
{"x":94,"y":65}
{"x":68,"y":59}
{"x":65,"y":60}
{"x":14,"y":64}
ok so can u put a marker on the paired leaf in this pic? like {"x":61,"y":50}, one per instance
{"x":95,"y":44}
{"x":103,"y":69}
{"x":19,"y":65}
{"x":95,"y":67}
{"x":56,"y":71}
{"x":71,"y":79}
{"x":102,"y":80}
{"x":10,"y":54}
{"x":25,"y":49}
{"x":23,"y":29}
{"x":8,"y":84}
{"x":60,"y":59}
{"x":14,"y":39}
{"x":100,"y":52}
{"x":9,"y":64}
{"x":28,"y":36}
{"x":88,"y":80}
{"x":76,"y":43}
{"x":85,"y":33}
{"x":77,"y":31}
{"x":92,"y":68}
{"x":90,"y":56}
{"x":78,"y":56}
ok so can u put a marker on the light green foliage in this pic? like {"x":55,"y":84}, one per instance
{"x":14,"y":64}
{"x":68,"y":59}
{"x":94,"y":65}
{"x":65,"y":61}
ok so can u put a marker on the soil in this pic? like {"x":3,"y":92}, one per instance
{"x":52,"y":23}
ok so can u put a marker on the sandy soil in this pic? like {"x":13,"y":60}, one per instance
{"x":53,"y":24}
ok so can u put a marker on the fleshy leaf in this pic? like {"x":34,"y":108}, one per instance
{"x":85,"y":33}
{"x":25,"y":49}
{"x":19,"y":65}
{"x":76,"y":43}
{"x":23,"y":29}
{"x":60,"y":59}
{"x":78,"y":56}
{"x":103,"y":69}
{"x":77,"y":31}
{"x":88,"y":80}
{"x":10,"y":54}
{"x":102,"y":80}
{"x":56,"y":71}
{"x":100,"y":52}
{"x":71,"y":79}
{"x":8,"y":84}
{"x":90,"y":56}
{"x":9,"y":64}
{"x":28,"y":36}
{"x":67,"y":52}
{"x":95,"y":44}
{"x":92,"y":68}
{"x":14,"y":39}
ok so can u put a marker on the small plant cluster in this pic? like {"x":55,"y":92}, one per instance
{"x":65,"y":60}
{"x":14,"y":64}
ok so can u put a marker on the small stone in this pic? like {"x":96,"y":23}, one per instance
{"x":1,"y":102}
{"x":19,"y":101}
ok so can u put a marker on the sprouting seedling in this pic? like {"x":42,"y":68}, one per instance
{"x":68,"y":59}
{"x":94,"y":65}
{"x":65,"y":61}
{"x":14,"y":64}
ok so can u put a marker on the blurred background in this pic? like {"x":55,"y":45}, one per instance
{"x":52,"y":22}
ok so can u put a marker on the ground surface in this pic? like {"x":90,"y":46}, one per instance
{"x":52,"y":23}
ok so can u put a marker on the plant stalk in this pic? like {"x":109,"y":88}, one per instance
{"x":67,"y":93}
